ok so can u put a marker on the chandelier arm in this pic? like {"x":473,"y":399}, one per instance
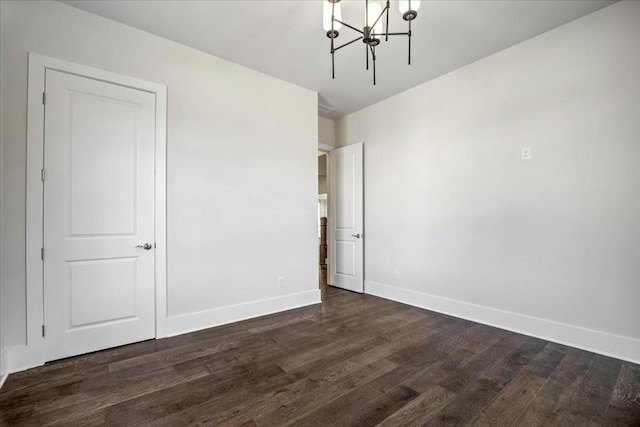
{"x":347,"y":43}
{"x":373,"y":56}
{"x":333,"y":63}
{"x":409,"y":42}
{"x":399,"y":34}
{"x":366,"y":49}
{"x":349,"y":26}
{"x":380,"y":16}
{"x":386,"y":38}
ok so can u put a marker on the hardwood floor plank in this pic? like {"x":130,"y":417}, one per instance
{"x":255,"y":395}
{"x":92,"y":419}
{"x":217,"y":393}
{"x":624,"y":408}
{"x":374,"y":411}
{"x":507,"y":406}
{"x":338,"y":412}
{"x":481,"y":363}
{"x":342,"y":346}
{"x":506,"y":409}
{"x":554,"y":397}
{"x":470,"y":401}
{"x":16,"y":415}
{"x":545,"y":362}
{"x":421,"y":408}
{"x":323,"y":395}
{"x":264,"y":404}
{"x":430,"y":349}
{"x":171,"y":356}
{"x":430,"y":375}
{"x":422,"y":376}
{"x":153,"y":406}
{"x":592,"y":398}
{"x":88,"y":395}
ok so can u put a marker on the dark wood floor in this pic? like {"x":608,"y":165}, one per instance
{"x":354,"y":360}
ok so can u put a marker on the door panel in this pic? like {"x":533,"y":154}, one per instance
{"x":345,"y":169}
{"x":346,"y":248}
{"x":101,"y":291}
{"x":98,"y":206}
{"x":97,"y":151}
{"x":345,"y":258}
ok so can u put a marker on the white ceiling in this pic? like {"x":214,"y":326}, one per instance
{"x":285,"y":38}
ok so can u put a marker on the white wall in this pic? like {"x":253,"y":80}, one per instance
{"x":327,"y":140}
{"x":322,"y":174}
{"x":326,"y":131}
{"x":242,"y":167}
{"x":3,"y":359}
{"x":549,"y":246}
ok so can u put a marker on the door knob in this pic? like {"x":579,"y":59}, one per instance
{"x":357,"y":236}
{"x":146,"y":246}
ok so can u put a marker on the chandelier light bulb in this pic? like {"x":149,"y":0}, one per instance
{"x":409,"y":9}
{"x":375,"y":9}
{"x":326,"y":15}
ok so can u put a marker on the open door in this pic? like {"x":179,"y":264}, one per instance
{"x":346,"y":218}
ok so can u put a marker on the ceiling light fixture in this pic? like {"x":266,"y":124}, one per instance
{"x":375,"y":17}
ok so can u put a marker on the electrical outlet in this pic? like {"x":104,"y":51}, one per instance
{"x":396,"y":274}
{"x":526,"y":153}
{"x":281,"y":281}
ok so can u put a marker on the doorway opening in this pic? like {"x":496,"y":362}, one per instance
{"x":323,"y":211}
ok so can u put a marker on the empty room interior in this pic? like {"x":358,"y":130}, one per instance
{"x":320,"y":213}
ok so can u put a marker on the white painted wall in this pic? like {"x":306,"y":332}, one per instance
{"x":549,"y":246}
{"x":322,"y":174}
{"x":326,"y":131}
{"x":242,"y":167}
{"x":327,"y":141}
{"x":3,"y":358}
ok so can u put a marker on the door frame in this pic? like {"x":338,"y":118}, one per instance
{"x":325,"y":150}
{"x":38,"y":64}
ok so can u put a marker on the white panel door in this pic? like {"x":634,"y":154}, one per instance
{"x":98,"y":209}
{"x":346,"y":217}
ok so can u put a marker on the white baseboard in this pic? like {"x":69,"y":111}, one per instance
{"x":182,"y":324}
{"x":4,"y":373}
{"x":16,"y":359}
{"x":620,"y":347}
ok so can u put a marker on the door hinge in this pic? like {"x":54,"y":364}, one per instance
{"x":43,"y":331}
{"x":44,"y":98}
{"x":42,"y":254}
{"x":42,"y":175}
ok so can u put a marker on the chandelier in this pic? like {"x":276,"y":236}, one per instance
{"x":376,"y":25}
